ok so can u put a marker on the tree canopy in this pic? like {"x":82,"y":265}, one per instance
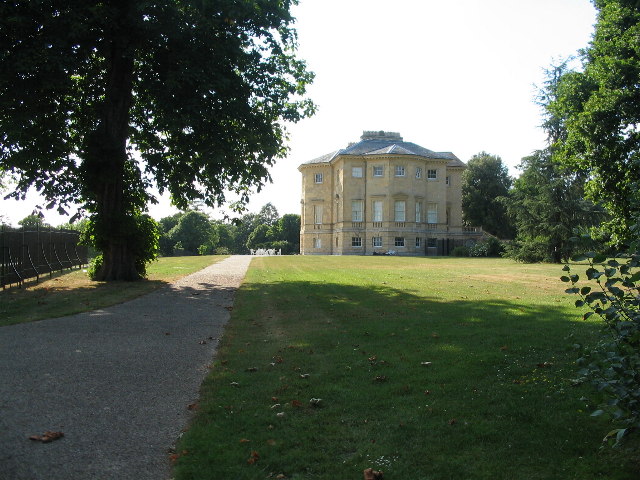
{"x":101,"y":100}
{"x":193,"y":232}
{"x":597,"y":113}
{"x":547,"y":205}
{"x":484,"y":182}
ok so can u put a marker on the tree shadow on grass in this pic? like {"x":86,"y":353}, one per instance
{"x":449,"y":388}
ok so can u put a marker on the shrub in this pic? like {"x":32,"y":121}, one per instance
{"x":478,"y":250}
{"x":460,"y":252}
{"x":142,"y":238}
{"x":95,"y":264}
{"x":613,"y":365}
{"x":528,"y":250}
{"x":495,"y":248}
{"x":489,"y":247}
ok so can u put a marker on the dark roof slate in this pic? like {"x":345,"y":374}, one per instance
{"x":386,"y":147}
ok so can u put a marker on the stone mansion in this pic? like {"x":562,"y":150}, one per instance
{"x":381,"y":195}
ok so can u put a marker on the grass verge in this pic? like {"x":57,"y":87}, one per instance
{"x":426,"y":368}
{"x":73,"y":292}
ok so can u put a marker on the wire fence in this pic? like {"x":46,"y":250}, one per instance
{"x":34,"y":252}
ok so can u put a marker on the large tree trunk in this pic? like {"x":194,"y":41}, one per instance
{"x":106,"y":157}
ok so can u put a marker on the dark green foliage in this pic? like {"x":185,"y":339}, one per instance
{"x":259,"y":237}
{"x":289,"y":230}
{"x":101,"y":100}
{"x":140,"y":233}
{"x":546,"y":204}
{"x":460,"y":252}
{"x":597,"y":113}
{"x":484,"y":182}
{"x":193,"y":230}
{"x":488,"y":247}
{"x":243,"y":228}
{"x":33,"y":221}
{"x":195,"y":233}
{"x":613,"y":365}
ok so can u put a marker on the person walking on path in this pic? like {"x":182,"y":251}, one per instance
{"x":116,"y":382}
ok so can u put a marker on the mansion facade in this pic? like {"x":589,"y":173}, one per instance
{"x":383,"y":195}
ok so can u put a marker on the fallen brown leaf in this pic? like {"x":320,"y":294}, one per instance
{"x":371,"y":474}
{"x":47,"y":437}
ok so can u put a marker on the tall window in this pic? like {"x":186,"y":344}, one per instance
{"x":377,"y":210}
{"x":399,"y":211}
{"x":318,"y":177}
{"x":432,"y":174}
{"x":356,"y":241}
{"x":317,"y":214}
{"x":357,"y":207}
{"x":448,"y":180}
{"x":378,"y":171}
{"x":399,"y":170}
{"x":432,"y":213}
{"x":418,"y":212}
{"x":418,"y":242}
{"x":356,"y":172}
{"x":399,"y":242}
{"x":418,"y":172}
{"x":377,"y":241}
{"x":317,"y":243}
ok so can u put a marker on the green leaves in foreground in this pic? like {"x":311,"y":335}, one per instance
{"x":613,"y":365}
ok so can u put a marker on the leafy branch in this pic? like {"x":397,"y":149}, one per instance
{"x":613,"y":365}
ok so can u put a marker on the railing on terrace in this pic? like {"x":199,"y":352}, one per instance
{"x":30,"y":253}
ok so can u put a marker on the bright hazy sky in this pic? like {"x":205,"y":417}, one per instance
{"x":456,"y":75}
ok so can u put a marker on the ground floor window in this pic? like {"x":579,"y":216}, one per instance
{"x":399,"y":242}
{"x":377,"y":241}
{"x":317,"y":243}
{"x":356,"y":241}
{"x":432,"y":242}
{"x":418,"y":242}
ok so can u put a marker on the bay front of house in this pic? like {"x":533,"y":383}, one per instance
{"x":383,"y":195}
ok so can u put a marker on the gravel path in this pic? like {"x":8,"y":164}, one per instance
{"x":117,"y":382}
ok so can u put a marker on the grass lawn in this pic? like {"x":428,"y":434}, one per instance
{"x":426,"y":368}
{"x":73,"y":292}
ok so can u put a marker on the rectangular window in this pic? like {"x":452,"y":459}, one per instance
{"x":357,"y":207}
{"x":356,"y":241}
{"x":432,"y":242}
{"x":317,"y":214}
{"x":377,"y":241}
{"x":378,"y":171}
{"x":356,"y":172}
{"x":418,"y":242}
{"x":432,"y":174}
{"x":377,"y":210}
{"x":448,"y":180}
{"x":418,"y":212}
{"x":318,"y":178}
{"x":399,"y":170}
{"x":399,"y":211}
{"x":418,"y":172}
{"x":432,"y":213}
{"x":317,"y":243}
{"x":399,"y":242}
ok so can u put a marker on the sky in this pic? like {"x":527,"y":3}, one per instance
{"x":456,"y":75}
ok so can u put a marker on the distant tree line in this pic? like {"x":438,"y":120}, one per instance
{"x":195,"y":233}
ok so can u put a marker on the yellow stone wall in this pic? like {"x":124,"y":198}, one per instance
{"x":339,"y":188}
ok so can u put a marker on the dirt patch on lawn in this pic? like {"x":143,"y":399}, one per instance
{"x":529,"y":280}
